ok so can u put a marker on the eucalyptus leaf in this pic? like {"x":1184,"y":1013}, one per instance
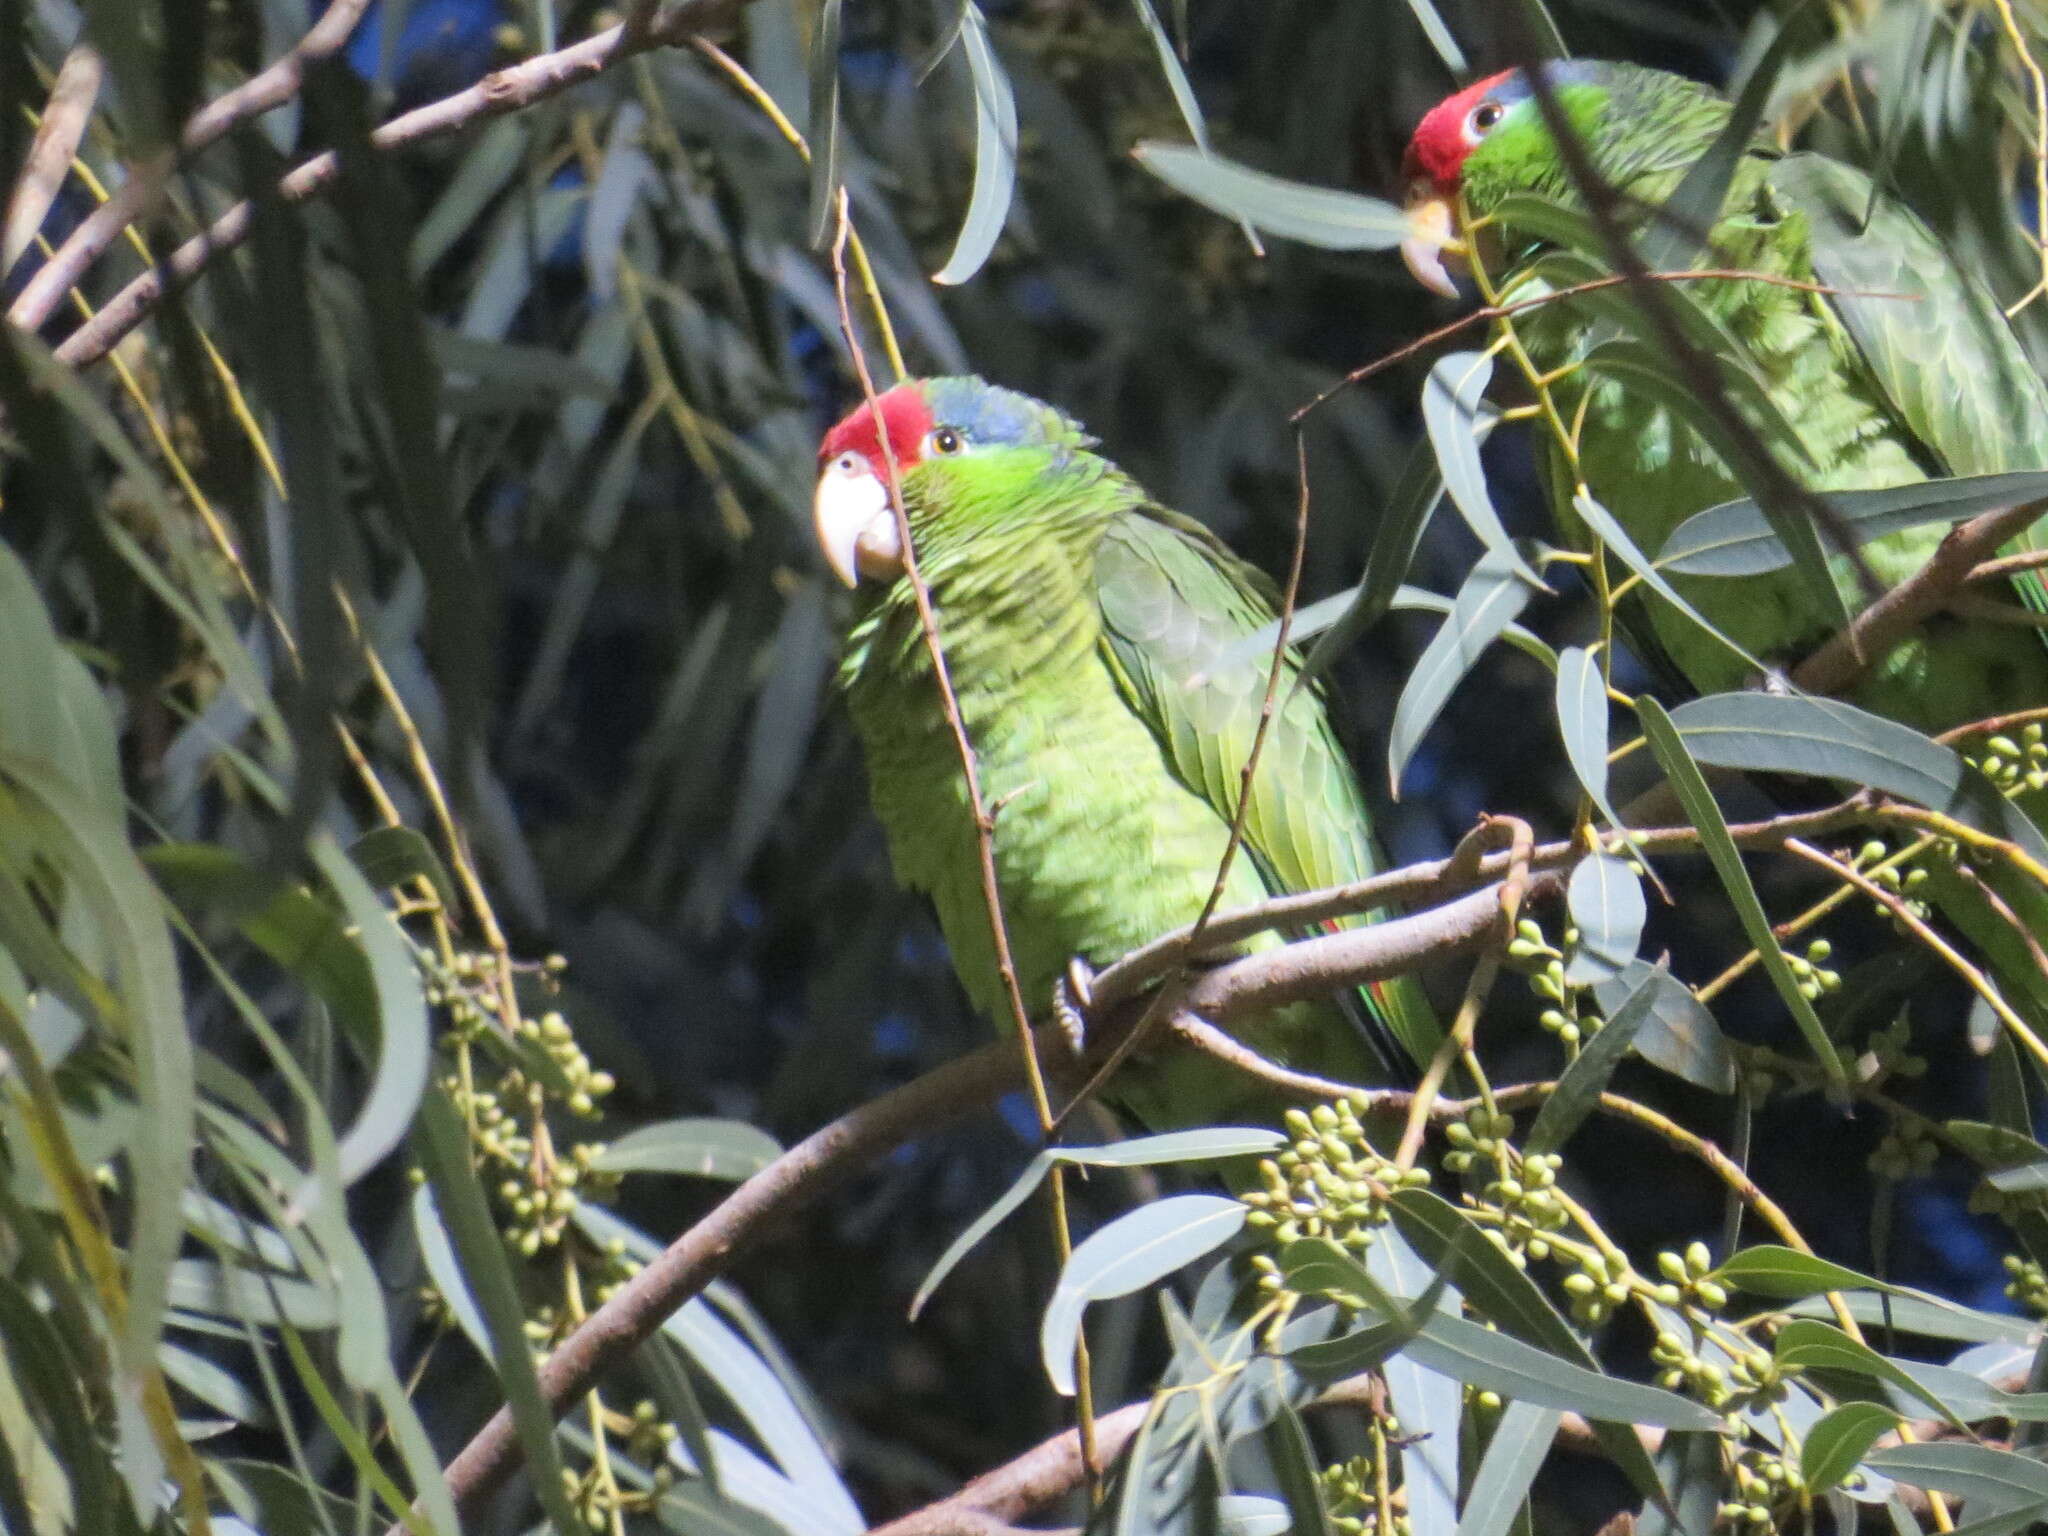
{"x":1130,"y":1253}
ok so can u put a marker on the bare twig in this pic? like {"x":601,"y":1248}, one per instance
{"x":511,"y":89}
{"x":1842,"y":662}
{"x":133,"y":199}
{"x":1487,"y":313}
{"x":49,"y":159}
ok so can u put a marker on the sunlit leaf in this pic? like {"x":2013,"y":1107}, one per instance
{"x":1130,"y":1253}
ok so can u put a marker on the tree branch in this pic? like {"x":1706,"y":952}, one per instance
{"x":135,"y":197}
{"x":511,"y":89}
{"x":77,"y":87}
{"x":1841,"y":663}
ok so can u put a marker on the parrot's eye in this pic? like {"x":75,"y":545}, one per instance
{"x":1483,"y":118}
{"x":946,"y":440}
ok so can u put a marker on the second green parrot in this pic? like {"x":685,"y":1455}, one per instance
{"x":1089,"y":635}
{"x":1906,"y":370}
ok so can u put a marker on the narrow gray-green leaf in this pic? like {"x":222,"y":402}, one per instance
{"x":995,"y":152}
{"x":1680,"y":1035}
{"x":444,"y":1268}
{"x":1173,"y":1147}
{"x":1615,"y":537}
{"x":1828,"y":739}
{"x":443,"y":1146}
{"x":1499,"y":1291}
{"x":1735,"y":539}
{"x":1684,"y":776}
{"x":1579,"y":1089}
{"x":2000,"y":1480}
{"x":1834,"y":1445}
{"x":1605,"y":899}
{"x":1515,"y":1454}
{"x":1785,"y":1274}
{"x":1582,"y":722}
{"x":1131,"y":1252}
{"x":1318,"y":216}
{"x":404,"y":1045}
{"x":1806,"y":1343}
{"x":703,"y":1148}
{"x":1491,"y":597}
{"x":1457,"y":418}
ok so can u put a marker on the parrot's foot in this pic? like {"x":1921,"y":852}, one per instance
{"x":1775,"y":681}
{"x":1072,"y":996}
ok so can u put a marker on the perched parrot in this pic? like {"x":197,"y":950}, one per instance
{"x":1904,"y":371}
{"x":1089,"y":637}
{"x":1882,"y":390}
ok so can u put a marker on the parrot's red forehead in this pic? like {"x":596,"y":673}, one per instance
{"x":907,"y":417}
{"x":1441,"y":140}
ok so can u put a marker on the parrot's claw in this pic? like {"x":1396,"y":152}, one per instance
{"x":1072,"y":995}
{"x":1776,"y":682}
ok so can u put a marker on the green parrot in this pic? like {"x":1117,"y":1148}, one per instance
{"x":1881,"y":390}
{"x":1089,"y":636}
{"x":1906,"y":370}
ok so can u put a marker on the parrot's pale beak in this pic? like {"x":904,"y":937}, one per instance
{"x":1432,"y":235}
{"x":855,"y":525}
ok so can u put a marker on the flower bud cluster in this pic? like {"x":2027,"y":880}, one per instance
{"x":1889,"y":1050}
{"x":1906,"y":1151}
{"x":1350,"y":1494}
{"x":1687,"y":1283}
{"x":1810,"y":970}
{"x":1330,"y":1183}
{"x":537,"y":1193}
{"x":2006,"y":1204}
{"x":1545,"y":961}
{"x":1902,"y":883}
{"x":2029,"y":1284}
{"x":2016,"y":766}
{"x":1762,"y":1482}
{"x":1598,"y":1284}
{"x":1528,"y":1203}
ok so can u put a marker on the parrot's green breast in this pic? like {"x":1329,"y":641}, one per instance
{"x":1099,"y":847}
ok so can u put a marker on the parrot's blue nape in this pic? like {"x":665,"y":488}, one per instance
{"x":992,"y":416}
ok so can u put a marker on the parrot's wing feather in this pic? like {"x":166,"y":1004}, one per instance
{"x":1932,"y":334}
{"x":1175,"y":603}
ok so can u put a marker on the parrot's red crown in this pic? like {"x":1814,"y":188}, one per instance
{"x":1443,"y":139}
{"x":908,"y":419}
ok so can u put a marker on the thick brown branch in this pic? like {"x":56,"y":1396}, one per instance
{"x":1841,"y":663}
{"x":811,"y":1168}
{"x":135,"y":197}
{"x":507,"y":90}
{"x":1432,"y":880}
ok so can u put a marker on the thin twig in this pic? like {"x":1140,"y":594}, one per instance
{"x":1892,"y":903}
{"x":136,"y":196}
{"x":1491,"y":312}
{"x":1435,"y":879}
{"x":1842,"y":662}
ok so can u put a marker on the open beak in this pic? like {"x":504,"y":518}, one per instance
{"x":1432,"y":235}
{"x":855,"y":526}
